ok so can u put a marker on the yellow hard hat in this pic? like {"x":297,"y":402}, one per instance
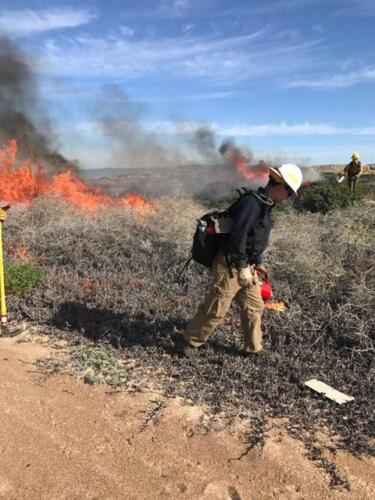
{"x":355,"y":156}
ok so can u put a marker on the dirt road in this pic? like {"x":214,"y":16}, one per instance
{"x":62,"y":439}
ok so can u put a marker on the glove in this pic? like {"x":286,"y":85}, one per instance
{"x":245,"y":277}
{"x":261,"y":270}
{"x":3,"y":215}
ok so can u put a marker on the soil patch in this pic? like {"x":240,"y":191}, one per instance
{"x":63,"y":439}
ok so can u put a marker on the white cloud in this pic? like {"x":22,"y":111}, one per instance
{"x":126,"y":31}
{"x":181,"y":5}
{"x":225,"y":60}
{"x":28,"y":22}
{"x":262,"y":130}
{"x":175,"y":128}
{"x":165,"y":9}
{"x":358,"y":8}
{"x":270,"y":129}
{"x":210,"y":95}
{"x":297,"y":129}
{"x":340,"y":80}
{"x":187,"y":28}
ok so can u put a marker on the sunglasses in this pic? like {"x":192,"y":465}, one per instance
{"x":290,"y":191}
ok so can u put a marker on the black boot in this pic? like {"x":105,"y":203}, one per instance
{"x":264,"y":353}
{"x":182,"y":347}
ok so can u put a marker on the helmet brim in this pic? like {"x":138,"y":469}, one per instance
{"x":277,"y":177}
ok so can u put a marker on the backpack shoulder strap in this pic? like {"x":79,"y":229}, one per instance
{"x":264,"y":203}
{"x":181,"y":278}
{"x":243,"y":191}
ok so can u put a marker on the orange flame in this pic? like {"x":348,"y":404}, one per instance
{"x":20,"y":183}
{"x":242,"y":165}
{"x":276,"y":306}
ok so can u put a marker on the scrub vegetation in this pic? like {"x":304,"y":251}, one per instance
{"x":328,"y":195}
{"x":111,"y":277}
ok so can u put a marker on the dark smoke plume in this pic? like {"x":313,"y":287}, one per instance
{"x":132,"y":145}
{"x":228,"y":145}
{"x":233,"y":155}
{"x":21,"y":114}
{"x":204,"y":140}
{"x":243,"y":157}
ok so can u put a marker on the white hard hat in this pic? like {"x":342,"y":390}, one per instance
{"x":288,"y":174}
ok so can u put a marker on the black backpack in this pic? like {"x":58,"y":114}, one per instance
{"x":210,"y":229}
{"x":206,"y":241}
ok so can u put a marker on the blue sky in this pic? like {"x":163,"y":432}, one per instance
{"x":295,"y":78}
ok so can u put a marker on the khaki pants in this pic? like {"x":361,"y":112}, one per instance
{"x":225,"y":288}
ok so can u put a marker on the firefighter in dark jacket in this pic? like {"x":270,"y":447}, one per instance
{"x":353,"y":170}
{"x":236,"y":267}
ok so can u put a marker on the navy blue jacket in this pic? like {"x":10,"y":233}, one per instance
{"x":249,"y":236}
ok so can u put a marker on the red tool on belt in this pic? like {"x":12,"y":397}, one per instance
{"x":265,"y":286}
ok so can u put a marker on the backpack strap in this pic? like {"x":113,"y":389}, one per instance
{"x":181,"y":279}
{"x":264,"y":203}
{"x":242,"y":191}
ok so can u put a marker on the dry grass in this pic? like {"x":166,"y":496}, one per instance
{"x":114,"y":259}
{"x":111,"y":276}
{"x":325,"y":265}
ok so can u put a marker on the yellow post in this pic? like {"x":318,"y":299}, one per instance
{"x":6,"y":330}
{"x":3,"y":306}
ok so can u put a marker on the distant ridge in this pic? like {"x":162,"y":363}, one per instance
{"x":97,"y":173}
{"x":104,"y":172}
{"x":119,"y":172}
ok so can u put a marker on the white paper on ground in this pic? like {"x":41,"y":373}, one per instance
{"x":328,"y":391}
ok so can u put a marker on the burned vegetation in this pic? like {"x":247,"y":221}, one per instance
{"x":110,"y":276}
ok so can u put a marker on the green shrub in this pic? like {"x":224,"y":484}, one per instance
{"x":328,"y":195}
{"x":325,"y":196}
{"x":22,"y":278}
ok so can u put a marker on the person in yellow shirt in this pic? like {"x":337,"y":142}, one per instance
{"x":353,"y":170}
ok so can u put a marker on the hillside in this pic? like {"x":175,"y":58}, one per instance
{"x":204,"y":181}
